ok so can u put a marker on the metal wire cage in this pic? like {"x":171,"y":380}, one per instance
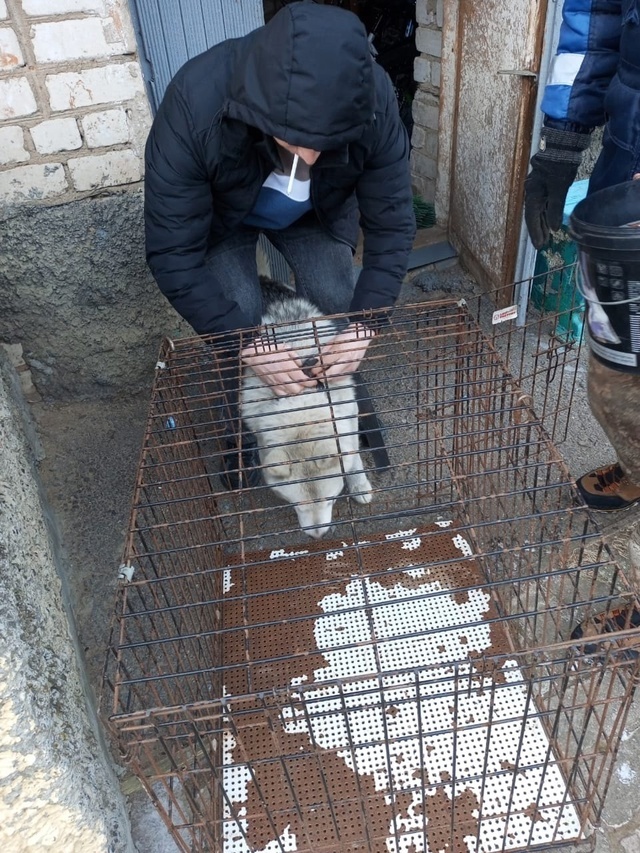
{"x":449,"y":668}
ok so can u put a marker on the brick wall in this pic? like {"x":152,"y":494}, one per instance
{"x":74,"y":112}
{"x":429,"y":17}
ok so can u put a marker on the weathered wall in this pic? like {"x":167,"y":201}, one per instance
{"x":58,"y":790}
{"x":78,"y":296}
{"x":75,"y":290}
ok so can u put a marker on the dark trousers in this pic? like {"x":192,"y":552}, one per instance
{"x":322,"y":267}
{"x":614,"y":396}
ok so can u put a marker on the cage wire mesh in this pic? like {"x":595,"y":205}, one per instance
{"x":419,"y":678}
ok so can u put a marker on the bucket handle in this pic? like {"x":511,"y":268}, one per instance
{"x":597,"y":301}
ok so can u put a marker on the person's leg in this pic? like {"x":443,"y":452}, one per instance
{"x":234,"y":262}
{"x":614,"y":398}
{"x":235,"y":267}
{"x":322,"y":266}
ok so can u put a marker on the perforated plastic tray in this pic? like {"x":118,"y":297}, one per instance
{"x":397,"y":734}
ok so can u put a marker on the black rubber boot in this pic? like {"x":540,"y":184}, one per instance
{"x":239,"y":464}
{"x":370,"y":427}
{"x":240,"y":461}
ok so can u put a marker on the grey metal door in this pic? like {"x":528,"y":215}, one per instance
{"x":172,"y":31}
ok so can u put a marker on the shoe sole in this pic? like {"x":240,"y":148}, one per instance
{"x":604,"y":628}
{"x":610,"y":508}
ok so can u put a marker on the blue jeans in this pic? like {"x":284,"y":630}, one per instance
{"x":322,"y":267}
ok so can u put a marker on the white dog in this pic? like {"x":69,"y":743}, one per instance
{"x":308,"y":443}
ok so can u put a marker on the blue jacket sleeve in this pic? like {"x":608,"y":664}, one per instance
{"x":585,"y":62}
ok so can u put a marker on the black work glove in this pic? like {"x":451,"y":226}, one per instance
{"x":553,"y":170}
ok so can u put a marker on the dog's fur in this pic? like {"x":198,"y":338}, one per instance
{"x":308,"y":443}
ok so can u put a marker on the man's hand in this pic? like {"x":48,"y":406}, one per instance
{"x":343,"y":354}
{"x":553,"y":170}
{"x":277,"y":365}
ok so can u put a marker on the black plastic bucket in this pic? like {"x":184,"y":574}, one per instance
{"x":606,"y":228}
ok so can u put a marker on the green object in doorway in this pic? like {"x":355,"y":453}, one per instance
{"x":424,"y":211}
{"x":554,"y":280}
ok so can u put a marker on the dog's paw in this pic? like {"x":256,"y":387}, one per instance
{"x":362,"y":491}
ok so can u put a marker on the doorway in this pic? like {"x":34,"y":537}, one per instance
{"x":391,"y":25}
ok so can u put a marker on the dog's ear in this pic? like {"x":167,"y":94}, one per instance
{"x":277,"y":463}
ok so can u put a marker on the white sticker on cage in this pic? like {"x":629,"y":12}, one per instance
{"x":503,"y":314}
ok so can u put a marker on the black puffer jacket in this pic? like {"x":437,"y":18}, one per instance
{"x":307,"y":77}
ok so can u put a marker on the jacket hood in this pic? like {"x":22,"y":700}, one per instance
{"x":306,"y":77}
